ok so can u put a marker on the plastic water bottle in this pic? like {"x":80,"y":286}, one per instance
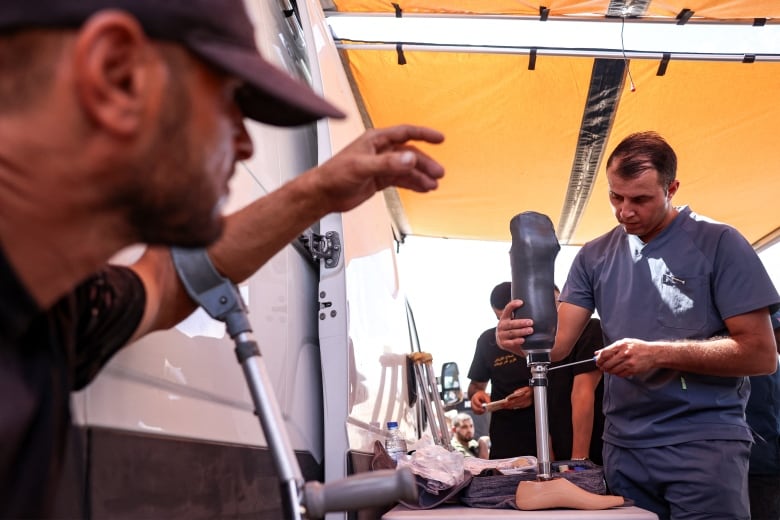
{"x":395,"y":445}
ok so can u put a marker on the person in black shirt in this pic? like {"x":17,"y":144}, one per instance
{"x":121,"y":123}
{"x":575,"y":417}
{"x":575,"y":396}
{"x":512,"y":429}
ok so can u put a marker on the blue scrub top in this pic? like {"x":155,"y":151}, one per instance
{"x":683,"y":284}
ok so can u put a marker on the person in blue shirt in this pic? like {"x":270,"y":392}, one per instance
{"x":684,"y":304}
{"x":763,"y":416}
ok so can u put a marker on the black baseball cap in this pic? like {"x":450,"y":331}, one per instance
{"x":217,"y":31}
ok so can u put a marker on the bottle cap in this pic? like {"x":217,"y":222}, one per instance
{"x":391,"y":425}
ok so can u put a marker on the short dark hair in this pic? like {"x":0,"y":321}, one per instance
{"x":642,"y":150}
{"x":501,"y":295}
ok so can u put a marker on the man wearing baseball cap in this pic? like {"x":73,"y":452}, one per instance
{"x":120,"y":123}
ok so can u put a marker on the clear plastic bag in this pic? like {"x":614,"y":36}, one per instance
{"x":436,"y":463}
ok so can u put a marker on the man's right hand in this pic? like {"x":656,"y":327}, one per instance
{"x":477,"y":400}
{"x":510,"y":332}
{"x":380,"y":158}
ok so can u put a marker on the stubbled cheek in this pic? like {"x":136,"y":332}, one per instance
{"x":219,"y":156}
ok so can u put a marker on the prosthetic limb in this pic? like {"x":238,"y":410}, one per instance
{"x":532,"y":258}
{"x":559,"y":492}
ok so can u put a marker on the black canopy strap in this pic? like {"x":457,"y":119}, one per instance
{"x":544,"y":12}
{"x":664,"y":64}
{"x":683,"y":16}
{"x":399,"y":49}
{"x":759,"y":22}
{"x":398,"y":46}
{"x":749,"y":58}
{"x":532,"y":59}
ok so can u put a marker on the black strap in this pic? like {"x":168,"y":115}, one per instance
{"x":664,"y":64}
{"x":683,"y":16}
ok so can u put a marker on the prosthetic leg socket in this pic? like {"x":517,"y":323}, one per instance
{"x":532,"y":257}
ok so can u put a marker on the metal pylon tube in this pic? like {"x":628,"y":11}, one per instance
{"x":539,"y":383}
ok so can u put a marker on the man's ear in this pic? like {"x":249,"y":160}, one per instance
{"x":112,"y":64}
{"x":673,"y":186}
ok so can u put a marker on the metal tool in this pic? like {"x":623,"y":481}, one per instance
{"x":499,"y":405}
{"x":492,"y":406}
{"x":582,"y":362}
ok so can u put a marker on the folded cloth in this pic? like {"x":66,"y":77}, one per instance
{"x":498,"y":491}
{"x":427,"y":499}
{"x":381,"y":459}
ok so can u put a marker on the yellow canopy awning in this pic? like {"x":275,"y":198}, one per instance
{"x":522,"y":129}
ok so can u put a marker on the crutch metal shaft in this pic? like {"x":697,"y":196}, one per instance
{"x":444,"y":433}
{"x":425,"y":397}
{"x":221,"y":299}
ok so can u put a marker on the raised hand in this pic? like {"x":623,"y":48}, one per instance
{"x":374,"y":161}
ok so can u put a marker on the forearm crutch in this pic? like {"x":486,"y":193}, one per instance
{"x":221,"y":299}
{"x":426,"y":382}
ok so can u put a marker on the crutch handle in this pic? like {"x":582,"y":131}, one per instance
{"x":369,"y":489}
{"x":421,"y":357}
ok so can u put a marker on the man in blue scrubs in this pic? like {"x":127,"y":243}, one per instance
{"x":684,"y":304}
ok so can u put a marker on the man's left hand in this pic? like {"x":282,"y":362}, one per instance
{"x":626,"y":357}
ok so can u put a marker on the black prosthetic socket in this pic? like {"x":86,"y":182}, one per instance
{"x":532,"y":257}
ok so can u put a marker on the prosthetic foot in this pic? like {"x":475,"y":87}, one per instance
{"x":560,"y":493}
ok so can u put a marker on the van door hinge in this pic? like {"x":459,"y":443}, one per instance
{"x":326,"y":247}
